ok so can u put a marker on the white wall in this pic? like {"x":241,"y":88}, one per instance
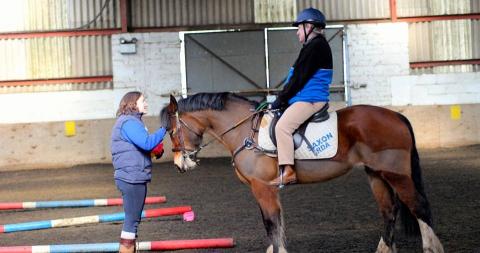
{"x":58,"y":106}
{"x":378,"y":56}
{"x":436,"y":89}
{"x":376,"y":52}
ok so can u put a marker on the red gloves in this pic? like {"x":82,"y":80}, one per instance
{"x":157,"y":151}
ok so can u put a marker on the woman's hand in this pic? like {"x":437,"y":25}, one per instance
{"x":158,"y":151}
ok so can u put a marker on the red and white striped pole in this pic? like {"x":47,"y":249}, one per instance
{"x":114,"y":247}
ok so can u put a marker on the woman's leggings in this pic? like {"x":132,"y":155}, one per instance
{"x":291,"y":119}
{"x":133,"y":196}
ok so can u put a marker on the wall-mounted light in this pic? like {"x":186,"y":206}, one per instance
{"x":128,"y":46}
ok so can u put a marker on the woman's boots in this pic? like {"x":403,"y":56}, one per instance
{"x":287,"y":176}
{"x":127,"y":245}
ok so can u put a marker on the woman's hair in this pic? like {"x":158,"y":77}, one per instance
{"x":128,"y":104}
{"x":319,"y":30}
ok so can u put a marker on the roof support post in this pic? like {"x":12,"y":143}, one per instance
{"x":126,"y":15}
{"x":393,"y":10}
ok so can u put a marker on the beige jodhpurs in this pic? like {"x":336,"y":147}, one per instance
{"x":292,"y":118}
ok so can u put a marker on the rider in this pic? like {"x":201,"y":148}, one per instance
{"x":306,"y":88}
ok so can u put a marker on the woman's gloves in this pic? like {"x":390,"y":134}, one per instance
{"x":158,"y":151}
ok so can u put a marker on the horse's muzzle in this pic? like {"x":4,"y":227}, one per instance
{"x":180,"y":169}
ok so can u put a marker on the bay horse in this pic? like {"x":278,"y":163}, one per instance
{"x":380,"y":139}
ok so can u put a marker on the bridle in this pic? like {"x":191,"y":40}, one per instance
{"x":191,"y":153}
{"x":186,"y":153}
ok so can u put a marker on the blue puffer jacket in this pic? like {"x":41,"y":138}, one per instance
{"x":130,"y":147}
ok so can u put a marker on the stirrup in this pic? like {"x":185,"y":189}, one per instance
{"x":281,"y":185}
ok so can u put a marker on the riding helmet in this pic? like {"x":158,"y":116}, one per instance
{"x":312,"y":16}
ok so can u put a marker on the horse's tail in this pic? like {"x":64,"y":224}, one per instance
{"x":409,"y":221}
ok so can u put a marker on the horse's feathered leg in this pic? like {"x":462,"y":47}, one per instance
{"x":268,"y":200}
{"x":411,"y":192}
{"x":418,"y":209}
{"x":384,"y":196}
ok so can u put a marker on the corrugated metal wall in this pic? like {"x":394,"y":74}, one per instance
{"x":82,"y":12}
{"x":55,"y":57}
{"x":58,"y":57}
{"x":348,"y":9}
{"x":443,"y":41}
{"x":409,"y":8}
{"x":48,"y":15}
{"x":57,"y":87}
{"x":271,"y":11}
{"x":171,"y":13}
{"x":42,"y":15}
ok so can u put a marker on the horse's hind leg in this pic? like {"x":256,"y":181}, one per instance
{"x":386,"y":202}
{"x":412,"y":195}
{"x":268,"y":200}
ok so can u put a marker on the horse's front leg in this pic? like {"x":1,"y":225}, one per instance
{"x":268,"y":200}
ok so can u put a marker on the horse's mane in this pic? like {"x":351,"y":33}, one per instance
{"x":202,"y":101}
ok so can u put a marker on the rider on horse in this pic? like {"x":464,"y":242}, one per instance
{"x":306,"y":88}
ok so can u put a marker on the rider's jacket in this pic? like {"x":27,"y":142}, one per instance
{"x":311,"y":75}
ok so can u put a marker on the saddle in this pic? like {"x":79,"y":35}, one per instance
{"x":299,"y":134}
{"x":316,"y":138}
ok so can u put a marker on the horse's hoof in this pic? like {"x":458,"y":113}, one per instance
{"x":383,"y":247}
{"x":280,"y":250}
{"x":269,"y":249}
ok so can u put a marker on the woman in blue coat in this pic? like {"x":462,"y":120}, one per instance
{"x":131,"y":147}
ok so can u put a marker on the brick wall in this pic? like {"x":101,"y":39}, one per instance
{"x":377,"y":52}
{"x":154,"y":69}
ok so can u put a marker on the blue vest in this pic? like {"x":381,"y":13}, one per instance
{"x":132,"y":164}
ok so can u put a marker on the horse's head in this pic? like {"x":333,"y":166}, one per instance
{"x":186,"y":134}
{"x":189,"y":118}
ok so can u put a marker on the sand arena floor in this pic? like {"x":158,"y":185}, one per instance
{"x":336,"y":216}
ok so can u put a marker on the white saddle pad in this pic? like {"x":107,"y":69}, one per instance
{"x":322,"y":136}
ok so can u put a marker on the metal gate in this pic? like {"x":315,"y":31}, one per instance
{"x":251,"y":63}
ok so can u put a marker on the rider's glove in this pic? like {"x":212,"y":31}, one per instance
{"x":276,"y":104}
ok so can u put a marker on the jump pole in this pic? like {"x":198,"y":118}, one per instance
{"x":74,"y":203}
{"x":45,"y":224}
{"x":114,"y":247}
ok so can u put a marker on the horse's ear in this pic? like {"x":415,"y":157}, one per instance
{"x":173,"y":106}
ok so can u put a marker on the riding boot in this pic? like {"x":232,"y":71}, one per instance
{"x":127,"y":245}
{"x":287,"y":176}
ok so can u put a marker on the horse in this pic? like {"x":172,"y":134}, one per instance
{"x":379,"y":139}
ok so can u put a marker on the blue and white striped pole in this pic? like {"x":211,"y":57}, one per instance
{"x":74,"y":203}
{"x":45,"y":224}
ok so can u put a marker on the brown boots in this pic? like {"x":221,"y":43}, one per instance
{"x":127,"y":245}
{"x":287,"y":176}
